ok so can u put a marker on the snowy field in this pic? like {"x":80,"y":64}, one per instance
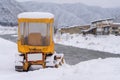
{"x":98,"y":69}
{"x":105,"y":43}
{"x":8,"y":30}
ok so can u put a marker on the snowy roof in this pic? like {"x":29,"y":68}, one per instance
{"x":102,"y":20}
{"x":117,"y":23}
{"x":36,"y":15}
{"x":89,"y":29}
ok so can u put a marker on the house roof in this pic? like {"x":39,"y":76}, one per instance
{"x":101,"y":20}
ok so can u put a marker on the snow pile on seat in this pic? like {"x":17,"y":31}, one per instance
{"x":35,"y":15}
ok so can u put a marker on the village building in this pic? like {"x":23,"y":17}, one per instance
{"x":102,"y":26}
{"x":74,"y":30}
{"x":99,"y":27}
{"x":115,"y":29}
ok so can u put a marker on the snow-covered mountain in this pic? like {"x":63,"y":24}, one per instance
{"x":8,"y":12}
{"x":62,"y":16}
{"x":73,"y":14}
{"x":65,"y":14}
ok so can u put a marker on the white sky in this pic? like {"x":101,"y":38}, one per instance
{"x":101,"y":3}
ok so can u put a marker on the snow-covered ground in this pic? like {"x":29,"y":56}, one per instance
{"x":98,"y":69}
{"x":8,"y":30}
{"x":106,"y":43}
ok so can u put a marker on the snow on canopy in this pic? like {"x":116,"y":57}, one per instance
{"x":35,"y":15}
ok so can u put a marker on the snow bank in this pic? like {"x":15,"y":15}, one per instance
{"x":98,"y":69}
{"x":106,"y":43}
{"x":7,"y":57}
{"x":35,"y":15}
{"x":8,"y":30}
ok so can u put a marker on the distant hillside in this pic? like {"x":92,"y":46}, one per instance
{"x":65,"y":14}
{"x":8,"y":12}
{"x":73,"y":14}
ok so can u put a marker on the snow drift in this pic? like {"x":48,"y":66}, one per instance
{"x":98,"y":69}
{"x":105,"y":43}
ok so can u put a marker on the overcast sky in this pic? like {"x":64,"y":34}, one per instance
{"x":101,"y":3}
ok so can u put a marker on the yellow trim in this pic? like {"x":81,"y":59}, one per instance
{"x":43,"y":20}
{"x":44,"y":49}
{"x":26,"y":66}
{"x":18,"y":30}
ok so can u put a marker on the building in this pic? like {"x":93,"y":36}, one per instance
{"x":115,"y":29}
{"x":91,"y":30}
{"x":99,"y":27}
{"x":102,"y":26}
{"x":74,"y":30}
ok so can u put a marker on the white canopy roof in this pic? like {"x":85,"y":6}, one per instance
{"x":36,"y":15}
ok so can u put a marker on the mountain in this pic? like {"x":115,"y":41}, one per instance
{"x":8,"y":12}
{"x":73,"y":14}
{"x":65,"y":14}
{"x":62,"y":17}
